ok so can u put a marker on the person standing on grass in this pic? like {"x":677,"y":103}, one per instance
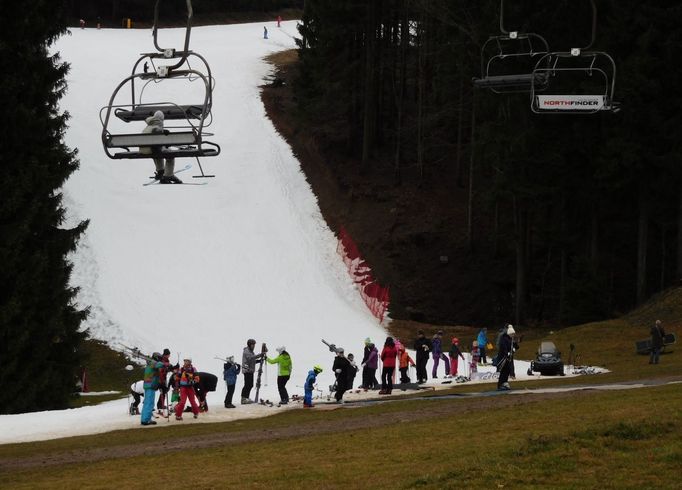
{"x":657,"y":338}
{"x":151,"y":384}
{"x":422,"y":346}
{"x":283,"y":361}
{"x":388,"y":357}
{"x":230,"y":372}
{"x":187,"y":378}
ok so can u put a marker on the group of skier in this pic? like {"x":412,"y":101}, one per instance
{"x":187,"y":386}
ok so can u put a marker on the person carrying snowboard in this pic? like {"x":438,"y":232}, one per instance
{"x":310,"y":385}
{"x":186,"y":379}
{"x":283,"y":361}
{"x":230,"y":372}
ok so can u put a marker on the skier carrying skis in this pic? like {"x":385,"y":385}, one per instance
{"x":283,"y":361}
{"x":309,"y":385}
{"x":230,"y":372}
{"x":187,"y":378}
{"x":455,"y":353}
{"x":506,"y":358}
{"x":249,"y":359}
{"x":151,"y":384}
{"x":342,"y":369}
{"x":165,"y":175}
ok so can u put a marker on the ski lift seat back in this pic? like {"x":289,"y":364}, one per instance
{"x":171,"y":145}
{"x":140,"y":113}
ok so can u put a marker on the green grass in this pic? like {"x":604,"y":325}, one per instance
{"x":618,"y":439}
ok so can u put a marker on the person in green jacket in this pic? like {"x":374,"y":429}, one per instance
{"x":284,"y":373}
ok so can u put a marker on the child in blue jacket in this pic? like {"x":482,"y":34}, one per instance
{"x":230,"y":372}
{"x":309,"y":384}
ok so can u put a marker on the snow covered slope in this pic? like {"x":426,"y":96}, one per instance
{"x":200,"y":269}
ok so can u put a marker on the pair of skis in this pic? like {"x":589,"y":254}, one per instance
{"x":186,"y":167}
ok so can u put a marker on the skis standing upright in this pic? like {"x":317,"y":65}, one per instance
{"x":263,"y":351}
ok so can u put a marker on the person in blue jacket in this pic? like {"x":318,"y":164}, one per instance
{"x":230,"y":372}
{"x":309,"y":384}
{"x":482,"y":343}
{"x":151,"y":384}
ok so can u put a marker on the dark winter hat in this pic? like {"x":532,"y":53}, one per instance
{"x":156,"y":356}
{"x":251,"y":341}
{"x":166,"y":351}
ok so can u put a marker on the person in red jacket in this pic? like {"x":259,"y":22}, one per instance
{"x":388,"y":356}
{"x":186,"y":379}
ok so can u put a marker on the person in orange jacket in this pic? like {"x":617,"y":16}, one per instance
{"x":405,"y":361}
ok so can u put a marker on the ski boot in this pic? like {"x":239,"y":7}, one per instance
{"x":246,"y":401}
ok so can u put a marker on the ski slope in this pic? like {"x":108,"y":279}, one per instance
{"x":199,"y":269}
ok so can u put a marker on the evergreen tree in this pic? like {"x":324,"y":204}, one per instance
{"x":39,"y":323}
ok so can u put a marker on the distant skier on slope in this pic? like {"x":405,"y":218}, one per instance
{"x":310,"y":385}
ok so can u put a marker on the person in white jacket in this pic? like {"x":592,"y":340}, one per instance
{"x":165,"y":174}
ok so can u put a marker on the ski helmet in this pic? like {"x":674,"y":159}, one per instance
{"x":280,"y":349}
{"x":317,"y":368}
{"x":510,"y":330}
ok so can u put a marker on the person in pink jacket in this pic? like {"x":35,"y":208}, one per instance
{"x":388,"y":357}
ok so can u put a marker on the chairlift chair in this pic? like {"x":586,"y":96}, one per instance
{"x":183,"y":138}
{"x":508,"y":60}
{"x":578,"y":81}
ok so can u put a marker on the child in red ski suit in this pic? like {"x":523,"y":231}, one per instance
{"x":455,"y":354}
{"x":186,"y":379}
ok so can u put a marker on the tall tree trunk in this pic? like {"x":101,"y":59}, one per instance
{"x":472,"y":159}
{"x":370,"y":100}
{"x":679,"y":227}
{"x":460,"y":119}
{"x":642,"y":239}
{"x":663,"y":258}
{"x":594,"y":240}
{"x":420,"y":96}
{"x":521,"y":224}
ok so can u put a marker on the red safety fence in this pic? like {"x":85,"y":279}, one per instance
{"x":375,"y":296}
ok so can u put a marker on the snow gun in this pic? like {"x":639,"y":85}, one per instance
{"x":332,"y":347}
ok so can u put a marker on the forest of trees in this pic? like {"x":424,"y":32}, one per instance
{"x":40,"y":324}
{"x":586,"y":209}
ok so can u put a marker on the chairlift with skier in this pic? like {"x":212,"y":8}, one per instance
{"x":184,"y":136}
